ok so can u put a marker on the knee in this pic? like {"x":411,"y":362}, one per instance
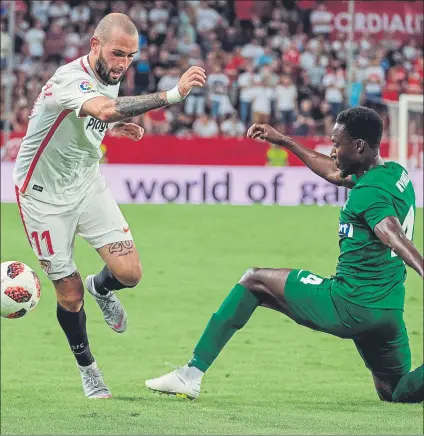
{"x":130,"y":276}
{"x":384,"y":389}
{"x":249,"y":278}
{"x":72,"y":302}
{"x":70,"y":292}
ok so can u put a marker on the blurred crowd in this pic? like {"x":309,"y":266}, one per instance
{"x":278,"y":67}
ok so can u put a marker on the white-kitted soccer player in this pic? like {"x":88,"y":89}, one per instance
{"x":60,"y":189}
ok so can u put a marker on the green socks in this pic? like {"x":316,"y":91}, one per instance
{"x":233,"y":314}
{"x":410,"y":388}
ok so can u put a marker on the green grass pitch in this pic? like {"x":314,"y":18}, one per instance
{"x":274,"y":377}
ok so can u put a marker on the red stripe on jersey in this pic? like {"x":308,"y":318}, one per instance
{"x":84,"y":67}
{"x":20,"y":213}
{"x":43,"y":145}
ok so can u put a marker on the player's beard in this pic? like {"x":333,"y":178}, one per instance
{"x":103,"y":71}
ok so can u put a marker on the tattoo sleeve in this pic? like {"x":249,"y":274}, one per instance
{"x":131,"y":106}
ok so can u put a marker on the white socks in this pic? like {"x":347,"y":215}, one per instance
{"x":191,"y":373}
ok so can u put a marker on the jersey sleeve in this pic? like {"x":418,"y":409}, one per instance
{"x":72,"y":91}
{"x":373,"y":205}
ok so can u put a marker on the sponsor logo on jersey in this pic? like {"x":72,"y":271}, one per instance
{"x":85,"y":86}
{"x":97,"y":125}
{"x":345,"y":230}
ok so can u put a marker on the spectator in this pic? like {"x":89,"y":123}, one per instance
{"x":323,"y":119}
{"x":205,"y":127}
{"x":291,"y":55}
{"x":245,"y":84}
{"x":207,"y":18}
{"x":80,"y":16}
{"x":231,"y":39}
{"x":196,"y":33}
{"x":119,"y":7}
{"x":286,"y":94}
{"x":235,"y":61}
{"x":157,"y":122}
{"x":266,"y":58}
{"x":334,"y":84}
{"x":40,"y":11}
{"x":55,"y":43}
{"x":232,"y":126}
{"x":195,"y":56}
{"x":195,"y":102}
{"x":35,"y":39}
{"x":138,"y":14}
{"x":307,"y":59}
{"x":305,"y":124}
{"x":186,"y":20}
{"x":277,"y":22}
{"x":185,"y":45}
{"x":252,"y":50}
{"x":73,"y":43}
{"x":169,"y":79}
{"x":409,"y":50}
{"x":5,"y":45}
{"x":159,"y":17}
{"x":218,"y":83}
{"x":321,"y":20}
{"x":143,"y":79}
{"x":415,"y":83}
{"x":262,"y":100}
{"x":19,"y":122}
{"x":98,"y":9}
{"x":356,"y":90}
{"x":282,"y":40}
{"x":59,"y":11}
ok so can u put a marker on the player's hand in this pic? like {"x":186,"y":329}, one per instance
{"x":267,"y":133}
{"x":128,"y":130}
{"x":194,"y":76}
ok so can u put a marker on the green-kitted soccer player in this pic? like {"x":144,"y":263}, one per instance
{"x":364,"y":301}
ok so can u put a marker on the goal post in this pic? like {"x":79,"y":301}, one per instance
{"x":406,"y":130}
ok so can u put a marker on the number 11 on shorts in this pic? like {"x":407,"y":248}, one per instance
{"x":44,"y":236}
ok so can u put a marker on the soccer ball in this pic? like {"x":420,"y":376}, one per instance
{"x":20,"y":289}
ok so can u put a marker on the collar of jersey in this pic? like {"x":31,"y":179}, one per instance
{"x":86,"y":67}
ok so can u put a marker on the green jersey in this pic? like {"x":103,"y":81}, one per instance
{"x":369,"y":273}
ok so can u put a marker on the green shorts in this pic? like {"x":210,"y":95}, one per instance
{"x":379,"y":334}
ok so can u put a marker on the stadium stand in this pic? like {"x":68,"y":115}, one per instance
{"x":273,"y":64}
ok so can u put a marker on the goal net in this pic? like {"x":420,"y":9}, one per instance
{"x":406,"y":130}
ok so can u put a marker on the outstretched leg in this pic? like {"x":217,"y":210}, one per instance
{"x":258,"y":286}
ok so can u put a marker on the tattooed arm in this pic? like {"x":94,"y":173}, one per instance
{"x":121,"y":108}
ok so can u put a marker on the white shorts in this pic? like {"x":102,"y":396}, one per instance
{"x":51,"y":229}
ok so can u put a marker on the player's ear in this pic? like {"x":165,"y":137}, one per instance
{"x":360,"y":145}
{"x":95,"y":45}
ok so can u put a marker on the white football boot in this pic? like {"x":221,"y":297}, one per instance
{"x":113,"y":311}
{"x":93,"y":383}
{"x":183,"y":382}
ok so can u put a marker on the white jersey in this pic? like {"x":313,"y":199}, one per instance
{"x":60,"y":153}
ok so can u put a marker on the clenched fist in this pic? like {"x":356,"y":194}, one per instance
{"x":266,"y":132}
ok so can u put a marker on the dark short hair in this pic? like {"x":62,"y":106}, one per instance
{"x":362,"y":123}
